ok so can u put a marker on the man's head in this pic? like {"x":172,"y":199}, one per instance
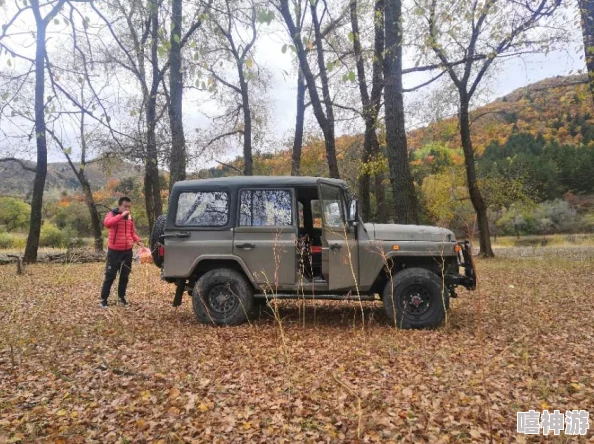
{"x":124,"y":204}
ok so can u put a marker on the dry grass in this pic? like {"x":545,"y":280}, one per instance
{"x":70,"y":371}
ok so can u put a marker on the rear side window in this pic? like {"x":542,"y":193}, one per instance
{"x":265,"y":208}
{"x":202,"y":209}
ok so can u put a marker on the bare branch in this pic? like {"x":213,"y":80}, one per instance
{"x":229,"y":166}
{"x":431,"y":80}
{"x":222,"y":136}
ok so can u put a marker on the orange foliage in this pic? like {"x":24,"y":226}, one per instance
{"x":535,"y":109}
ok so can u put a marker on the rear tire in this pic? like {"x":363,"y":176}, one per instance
{"x":158,"y":231}
{"x":415,"y":298}
{"x":222,"y":297}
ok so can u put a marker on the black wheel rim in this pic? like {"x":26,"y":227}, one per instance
{"x":221,"y":299}
{"x":416,"y":300}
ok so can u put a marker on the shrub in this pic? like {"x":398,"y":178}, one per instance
{"x":74,"y":217}
{"x":556,"y":216}
{"x":6,"y":241}
{"x":52,"y":236}
{"x":587,"y":223}
{"x":14,"y":213}
{"x":19,"y":242}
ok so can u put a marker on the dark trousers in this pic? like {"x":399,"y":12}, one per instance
{"x":117,"y":261}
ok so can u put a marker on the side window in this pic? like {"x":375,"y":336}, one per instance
{"x":332,"y":206}
{"x":202,"y":209}
{"x":301,"y":215}
{"x":265,"y":208}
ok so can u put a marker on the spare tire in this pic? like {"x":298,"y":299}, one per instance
{"x":158,"y":231}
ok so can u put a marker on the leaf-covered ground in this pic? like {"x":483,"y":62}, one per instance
{"x":71,"y":372}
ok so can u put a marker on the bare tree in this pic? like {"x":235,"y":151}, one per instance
{"x":178,"y":159}
{"x":140,"y":49}
{"x":38,"y":9}
{"x":234,"y":32}
{"x":178,"y":156}
{"x":370,"y":107}
{"x":400,"y":175}
{"x":323,"y":107}
{"x":483,"y":32}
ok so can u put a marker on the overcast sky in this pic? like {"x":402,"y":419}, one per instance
{"x":282,"y":91}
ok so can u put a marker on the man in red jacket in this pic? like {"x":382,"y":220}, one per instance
{"x":122,"y":237}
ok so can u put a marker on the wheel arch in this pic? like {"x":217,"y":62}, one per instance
{"x":395,"y":263}
{"x":204,"y":264}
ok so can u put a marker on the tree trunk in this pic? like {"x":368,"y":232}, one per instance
{"x":41,"y":140}
{"x":326,"y":125}
{"x":370,"y":109}
{"x":364,"y":179}
{"x":177,"y":165}
{"x":587,"y":14}
{"x":152,"y":192}
{"x":152,"y":189}
{"x":248,"y":166}
{"x":95,"y":220}
{"x":377,"y":87}
{"x":299,"y":122}
{"x":475,"y":194}
{"x":400,"y":175}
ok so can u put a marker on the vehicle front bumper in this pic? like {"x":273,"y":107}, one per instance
{"x":468,"y":279}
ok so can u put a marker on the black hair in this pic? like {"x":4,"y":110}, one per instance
{"x":124,"y":199}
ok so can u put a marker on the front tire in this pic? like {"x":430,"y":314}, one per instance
{"x":222,"y":297}
{"x":415,"y":298}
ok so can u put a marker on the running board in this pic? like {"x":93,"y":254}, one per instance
{"x":323,"y":297}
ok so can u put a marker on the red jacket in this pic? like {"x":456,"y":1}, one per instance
{"x":122,"y":234}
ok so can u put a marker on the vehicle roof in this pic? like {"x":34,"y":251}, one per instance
{"x":256,"y":181}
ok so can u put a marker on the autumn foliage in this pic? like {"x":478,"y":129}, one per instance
{"x":70,"y":372}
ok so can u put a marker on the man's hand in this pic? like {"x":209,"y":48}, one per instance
{"x":140,"y":243}
{"x":125,"y":213}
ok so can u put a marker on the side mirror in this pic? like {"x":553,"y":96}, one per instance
{"x":353,"y":211}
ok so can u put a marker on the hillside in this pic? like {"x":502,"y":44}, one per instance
{"x":17,"y":182}
{"x":558,"y":109}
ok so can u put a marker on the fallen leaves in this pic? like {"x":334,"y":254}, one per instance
{"x":70,"y":372}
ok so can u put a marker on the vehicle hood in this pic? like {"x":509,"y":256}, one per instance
{"x":397,"y":232}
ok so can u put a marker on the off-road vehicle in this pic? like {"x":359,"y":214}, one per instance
{"x":234,"y":242}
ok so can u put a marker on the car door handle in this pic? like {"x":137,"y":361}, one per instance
{"x":335,"y":246}
{"x":245,"y":246}
{"x":178,"y":234}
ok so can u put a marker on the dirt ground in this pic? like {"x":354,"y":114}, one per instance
{"x":323,"y":372}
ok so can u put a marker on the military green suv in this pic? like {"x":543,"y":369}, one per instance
{"x":235,"y":242}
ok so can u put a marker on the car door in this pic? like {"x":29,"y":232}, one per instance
{"x":199,"y":227}
{"x":265,"y":235}
{"x":340,"y":255}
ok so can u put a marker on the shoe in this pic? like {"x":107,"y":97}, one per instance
{"x":103,"y":304}
{"x":123,"y":301}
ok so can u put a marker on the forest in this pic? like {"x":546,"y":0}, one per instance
{"x":434,"y":112}
{"x":388,"y":95}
